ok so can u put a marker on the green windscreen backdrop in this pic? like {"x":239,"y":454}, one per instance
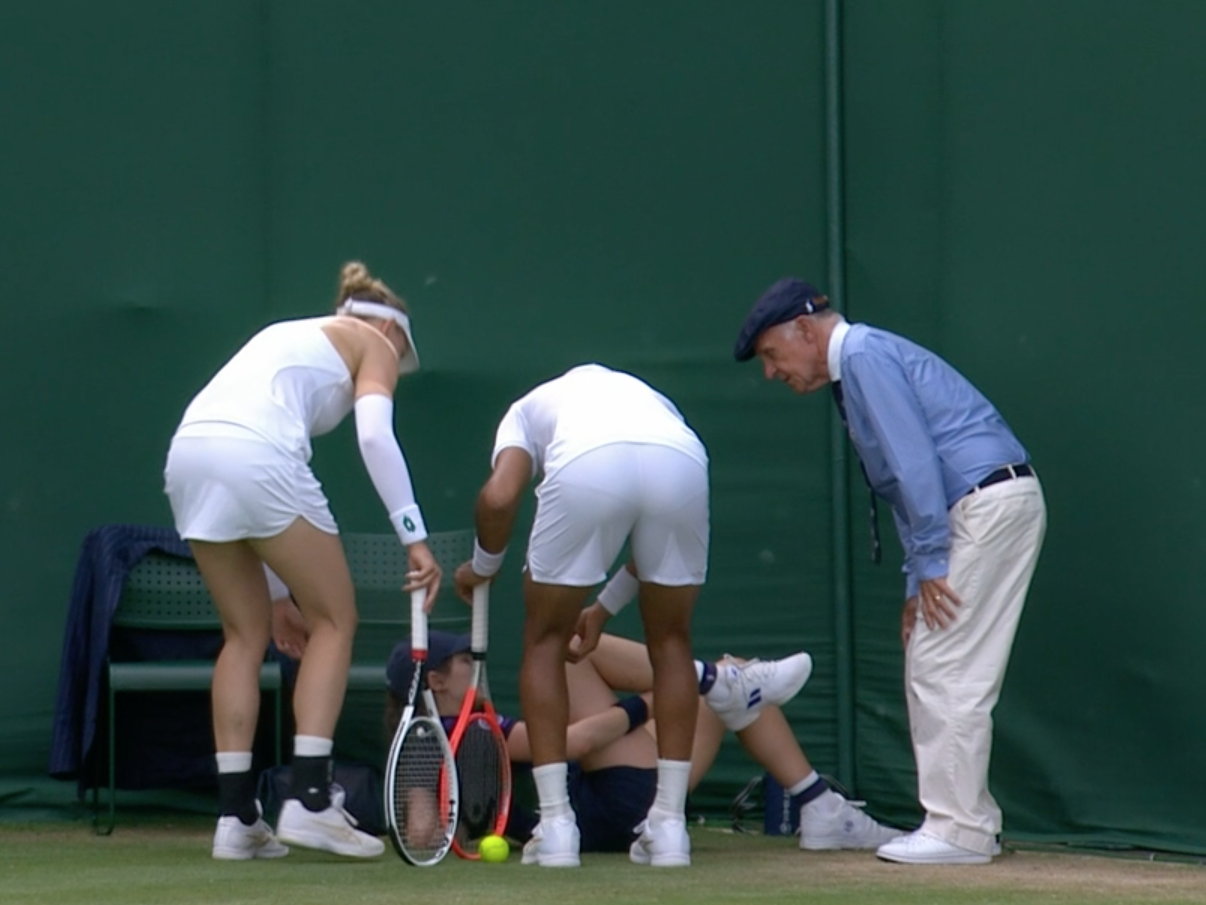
{"x":1025,"y":197}
{"x":552,"y":183}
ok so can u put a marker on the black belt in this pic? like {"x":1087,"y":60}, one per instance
{"x":1006,"y":473}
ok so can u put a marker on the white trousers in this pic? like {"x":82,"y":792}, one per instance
{"x":953,"y":676}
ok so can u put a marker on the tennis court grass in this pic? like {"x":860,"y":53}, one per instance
{"x":168,"y":863}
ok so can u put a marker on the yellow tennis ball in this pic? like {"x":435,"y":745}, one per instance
{"x":494,"y":849}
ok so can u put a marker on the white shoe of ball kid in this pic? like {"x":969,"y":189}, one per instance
{"x":836,"y":824}
{"x":743,"y":689}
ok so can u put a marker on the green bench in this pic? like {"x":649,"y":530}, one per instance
{"x":166,"y":593}
{"x":379,"y":564}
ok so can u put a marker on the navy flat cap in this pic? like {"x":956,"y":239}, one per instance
{"x":441,"y":647}
{"x":786,"y":299}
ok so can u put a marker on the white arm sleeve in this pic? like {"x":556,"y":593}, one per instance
{"x":387,"y":467}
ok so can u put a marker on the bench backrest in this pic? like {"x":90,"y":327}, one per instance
{"x":167,"y":592}
{"x":379,"y":564}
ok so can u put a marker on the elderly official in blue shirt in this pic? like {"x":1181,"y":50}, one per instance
{"x":971,"y":517}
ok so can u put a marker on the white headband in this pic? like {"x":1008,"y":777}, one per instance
{"x":409,"y":362}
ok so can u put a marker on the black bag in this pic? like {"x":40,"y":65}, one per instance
{"x":361,"y":784}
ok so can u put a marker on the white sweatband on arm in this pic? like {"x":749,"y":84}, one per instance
{"x":618,"y":592}
{"x":486,"y":564}
{"x":386,"y":466}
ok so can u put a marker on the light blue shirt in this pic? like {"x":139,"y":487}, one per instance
{"x":925,"y":435}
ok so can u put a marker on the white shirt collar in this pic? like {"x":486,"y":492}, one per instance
{"x":834,"y":354}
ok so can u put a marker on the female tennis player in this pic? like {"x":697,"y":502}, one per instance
{"x":243,"y":495}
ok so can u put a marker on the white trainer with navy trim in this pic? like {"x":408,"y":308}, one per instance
{"x":743,"y":688}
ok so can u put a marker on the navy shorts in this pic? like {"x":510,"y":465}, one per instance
{"x":609,"y":803}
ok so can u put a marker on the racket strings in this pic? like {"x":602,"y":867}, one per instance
{"x":482,"y":768}
{"x":421,"y":792}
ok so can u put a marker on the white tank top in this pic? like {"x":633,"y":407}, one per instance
{"x":286,"y":385}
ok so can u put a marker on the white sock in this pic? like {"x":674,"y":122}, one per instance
{"x":804,"y":783}
{"x":672,"y":779}
{"x":552,"y":786}
{"x":234,"y":761}
{"x":312,"y":746}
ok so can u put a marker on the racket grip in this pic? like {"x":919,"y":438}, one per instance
{"x":418,"y":619}
{"x":481,"y":616}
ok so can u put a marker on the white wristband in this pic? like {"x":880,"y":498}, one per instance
{"x":618,"y":592}
{"x":486,"y":564}
{"x":408,"y":523}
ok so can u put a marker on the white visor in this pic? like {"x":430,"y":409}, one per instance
{"x":408,"y":363}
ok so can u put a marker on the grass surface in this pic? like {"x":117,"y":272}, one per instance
{"x":168,"y":863}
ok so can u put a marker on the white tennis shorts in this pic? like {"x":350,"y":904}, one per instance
{"x":232,"y":488}
{"x":654,"y":495}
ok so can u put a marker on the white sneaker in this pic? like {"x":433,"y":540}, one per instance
{"x":236,"y":841}
{"x":843,"y":827}
{"x":663,"y":843}
{"x":743,"y":689}
{"x":555,"y":843}
{"x":922,"y":848}
{"x":332,"y":830}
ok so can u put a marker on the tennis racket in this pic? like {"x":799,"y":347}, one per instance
{"x":480,"y":748}
{"x":420,"y":775}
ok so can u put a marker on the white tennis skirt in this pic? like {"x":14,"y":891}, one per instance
{"x":234,"y":488}
{"x":654,"y":496}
